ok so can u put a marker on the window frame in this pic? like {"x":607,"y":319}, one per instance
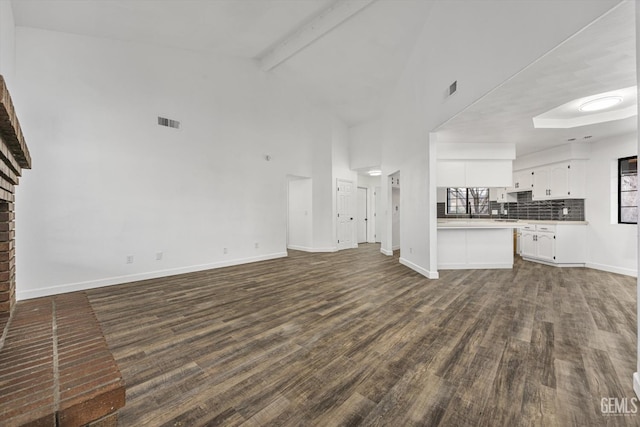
{"x":466,"y":204}
{"x":620,"y":160}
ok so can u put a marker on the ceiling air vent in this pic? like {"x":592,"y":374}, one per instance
{"x":453,"y":87}
{"x":163,"y":121}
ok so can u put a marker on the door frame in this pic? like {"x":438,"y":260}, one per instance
{"x":366,"y":214}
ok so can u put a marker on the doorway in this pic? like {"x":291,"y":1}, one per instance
{"x":346,"y":212}
{"x":395,"y":211}
{"x":362,"y":216}
{"x":377,"y":206}
{"x":299,"y":214}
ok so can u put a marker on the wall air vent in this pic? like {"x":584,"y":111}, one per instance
{"x":163,"y":121}
{"x":453,"y":87}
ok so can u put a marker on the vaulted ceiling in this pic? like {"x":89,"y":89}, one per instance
{"x":349,"y":54}
{"x":350,"y":67}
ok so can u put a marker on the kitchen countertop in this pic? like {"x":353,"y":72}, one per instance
{"x":478,"y":223}
{"x":534,"y":221}
{"x":444,"y":223}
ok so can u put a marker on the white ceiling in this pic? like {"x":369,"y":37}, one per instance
{"x":242,"y":28}
{"x":351,"y":69}
{"x":600,"y":58}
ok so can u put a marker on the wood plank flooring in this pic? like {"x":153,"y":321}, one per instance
{"x":355,"y":338}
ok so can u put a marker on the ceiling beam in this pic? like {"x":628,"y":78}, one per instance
{"x":302,"y":37}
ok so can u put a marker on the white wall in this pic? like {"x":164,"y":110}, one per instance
{"x":611,"y":246}
{"x":300,"y":230}
{"x":479,"y":44}
{"x":7,"y":43}
{"x":365,"y":145}
{"x":108,"y":182}
{"x":342,"y":171}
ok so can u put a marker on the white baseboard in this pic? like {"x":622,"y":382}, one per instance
{"x":612,"y":269}
{"x":386,"y":252}
{"x":91,"y":284}
{"x":396,"y":248}
{"x":553,"y":264}
{"x":636,"y":383}
{"x":475,"y":266}
{"x":426,"y":273}
{"x":306,"y":249}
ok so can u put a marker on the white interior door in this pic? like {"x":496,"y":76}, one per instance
{"x":395,"y":217}
{"x":376,"y":215}
{"x":362,"y":215}
{"x":346,"y":212}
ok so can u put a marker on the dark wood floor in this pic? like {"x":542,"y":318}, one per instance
{"x":354,"y":338}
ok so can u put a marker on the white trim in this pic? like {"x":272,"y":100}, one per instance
{"x":428,"y":274}
{"x":320,"y":25}
{"x":118,"y":280}
{"x":387,"y":252}
{"x":307,"y":249}
{"x":636,"y":383}
{"x":552,"y":264}
{"x":612,"y":269}
{"x":475,"y":266}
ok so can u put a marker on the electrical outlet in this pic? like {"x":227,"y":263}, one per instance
{"x":410,"y":250}
{"x":257,"y":245}
{"x":225,"y":251}
{"x":159,"y":256}
{"x":129,"y":259}
{"x":494,"y":211}
{"x":565,"y":211}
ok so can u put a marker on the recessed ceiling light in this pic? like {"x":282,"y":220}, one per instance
{"x":600,"y":103}
{"x":375,"y":173}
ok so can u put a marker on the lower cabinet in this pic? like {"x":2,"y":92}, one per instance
{"x":558,"y":244}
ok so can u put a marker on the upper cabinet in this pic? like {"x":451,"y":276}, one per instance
{"x":473,"y":173}
{"x":474,"y":164}
{"x":522,"y":181}
{"x":564,"y":180}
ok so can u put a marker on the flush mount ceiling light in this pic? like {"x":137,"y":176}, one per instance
{"x":599,"y":104}
{"x":375,"y":172}
{"x":597,"y":108}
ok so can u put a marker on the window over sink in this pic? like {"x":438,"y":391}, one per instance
{"x":467,"y":201}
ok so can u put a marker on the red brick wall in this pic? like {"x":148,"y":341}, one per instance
{"x":14,"y":156}
{"x":7,"y":260}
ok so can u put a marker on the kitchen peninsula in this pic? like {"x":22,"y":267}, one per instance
{"x":475,"y":244}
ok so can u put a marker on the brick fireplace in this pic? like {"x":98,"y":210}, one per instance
{"x":14,"y":156}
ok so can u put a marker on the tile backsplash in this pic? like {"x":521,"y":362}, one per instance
{"x":526,"y":208}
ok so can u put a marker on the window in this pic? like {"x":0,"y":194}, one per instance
{"x":467,"y":201}
{"x":628,"y":190}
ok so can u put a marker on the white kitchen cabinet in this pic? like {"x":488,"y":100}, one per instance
{"x":528,"y":248}
{"x":538,"y":245}
{"x":564,"y":180}
{"x":522,"y":181}
{"x":557,"y":244}
{"x":473,"y":173}
{"x":501,"y":195}
{"x":545,"y":242}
